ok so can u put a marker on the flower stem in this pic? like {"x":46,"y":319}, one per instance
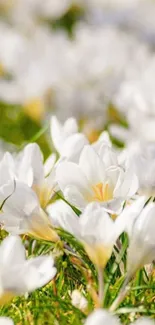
{"x":114,"y":269}
{"x":100,"y":285}
{"x":123,"y":292}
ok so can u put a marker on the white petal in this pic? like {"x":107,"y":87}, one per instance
{"x":68,"y":174}
{"x":70,"y":126}
{"x":13,"y":224}
{"x":130,"y":213}
{"x":7,"y":171}
{"x":74,"y":196}
{"x":127,"y":184}
{"x":63,"y":216}
{"x":12,"y":251}
{"x":73,"y":146}
{"x":113,"y":206}
{"x":119,"y":133}
{"x":96,"y":225}
{"x":60,"y":133}
{"x":22,"y":201}
{"x":45,"y":271}
{"x":56,"y":133}
{"x":49,"y":164}
{"x":92,"y":166}
{"x":107,"y":155}
{"x":31,"y":158}
{"x":114,"y":175}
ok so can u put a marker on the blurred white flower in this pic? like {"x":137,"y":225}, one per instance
{"x":41,"y":178}
{"x":103,"y":317}
{"x":18,"y":275}
{"x":21,"y":212}
{"x":6,"y":321}
{"x":91,"y":181}
{"x":66,"y":138}
{"x":78,"y":300}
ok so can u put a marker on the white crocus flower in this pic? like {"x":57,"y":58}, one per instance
{"x":98,"y":233}
{"x":66,"y":138}
{"x":32,"y":171}
{"x":94,"y":229}
{"x":18,"y":275}
{"x":141,"y":229}
{"x":6,"y":321}
{"x":22,"y":212}
{"x":103,"y":317}
{"x":91,"y":181}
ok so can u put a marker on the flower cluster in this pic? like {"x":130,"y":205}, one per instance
{"x":109,"y":58}
{"x":101,"y":197}
{"x":77,"y":161}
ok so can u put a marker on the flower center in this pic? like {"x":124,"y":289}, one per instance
{"x":102,"y":192}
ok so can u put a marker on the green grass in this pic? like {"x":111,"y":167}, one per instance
{"x":52,"y":304}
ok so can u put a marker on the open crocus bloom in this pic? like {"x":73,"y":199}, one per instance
{"x":38,"y":176}
{"x":103,"y":317}
{"x":90,"y":181}
{"x":18,"y":275}
{"x":22,"y":212}
{"x":66,"y":138}
{"x":94,"y":228}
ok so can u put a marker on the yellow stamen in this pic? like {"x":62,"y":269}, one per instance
{"x":102,"y":193}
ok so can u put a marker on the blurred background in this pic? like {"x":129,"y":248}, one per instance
{"x":92,"y":59}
